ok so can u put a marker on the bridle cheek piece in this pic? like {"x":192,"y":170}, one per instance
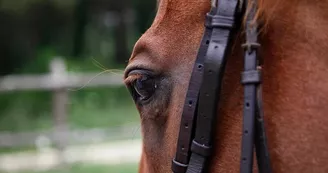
{"x":194,"y":147}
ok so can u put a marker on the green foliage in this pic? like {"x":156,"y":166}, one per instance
{"x":24,"y":110}
{"x":37,"y":31}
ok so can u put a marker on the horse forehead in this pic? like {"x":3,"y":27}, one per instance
{"x":188,"y":7}
{"x":179,"y":16}
{"x":177,"y":22}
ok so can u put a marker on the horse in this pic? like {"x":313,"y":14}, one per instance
{"x":294,"y":72}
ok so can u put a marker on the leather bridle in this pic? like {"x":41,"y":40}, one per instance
{"x":195,"y":141}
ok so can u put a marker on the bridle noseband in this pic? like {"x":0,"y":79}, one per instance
{"x":194,"y":147}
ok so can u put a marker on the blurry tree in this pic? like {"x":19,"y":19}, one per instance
{"x":81,"y":13}
{"x":120,"y":36}
{"x":27,"y":28}
{"x":47,"y":20}
{"x":10,"y":57}
{"x":32,"y":32}
{"x":113,"y":16}
{"x":145,"y":11}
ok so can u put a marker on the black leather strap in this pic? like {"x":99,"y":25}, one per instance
{"x":223,"y":24}
{"x":250,"y":80}
{"x":180,"y":162}
{"x":204,"y":89}
{"x":261,"y":146}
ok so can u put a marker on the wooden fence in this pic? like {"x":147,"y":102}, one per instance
{"x":58,"y":81}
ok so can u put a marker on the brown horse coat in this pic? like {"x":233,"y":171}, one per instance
{"x":295,"y":85}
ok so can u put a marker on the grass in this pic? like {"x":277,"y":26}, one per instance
{"x":113,"y":113}
{"x":88,"y":108}
{"x":90,"y":168}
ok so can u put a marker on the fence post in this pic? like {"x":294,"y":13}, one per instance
{"x":59,"y":106}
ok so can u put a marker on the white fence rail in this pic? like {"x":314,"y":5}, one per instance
{"x":58,"y":79}
{"x":74,"y":137}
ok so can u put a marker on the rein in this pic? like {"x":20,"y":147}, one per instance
{"x":195,"y":141}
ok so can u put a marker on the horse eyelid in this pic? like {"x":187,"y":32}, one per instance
{"x":130,"y":79}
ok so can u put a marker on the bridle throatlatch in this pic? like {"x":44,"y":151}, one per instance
{"x":195,"y":141}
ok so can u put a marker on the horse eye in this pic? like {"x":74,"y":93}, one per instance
{"x":144,"y":88}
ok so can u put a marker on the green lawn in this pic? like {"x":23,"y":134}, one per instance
{"x":87,"y":168}
{"x":88,"y":108}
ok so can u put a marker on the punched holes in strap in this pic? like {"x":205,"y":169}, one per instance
{"x":178,"y":167}
{"x":200,"y":149}
{"x":219,"y":21}
{"x":251,"y":77}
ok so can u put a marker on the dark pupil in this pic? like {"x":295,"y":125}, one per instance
{"x":144,"y":87}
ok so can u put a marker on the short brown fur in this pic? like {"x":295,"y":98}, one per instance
{"x":295,"y":85}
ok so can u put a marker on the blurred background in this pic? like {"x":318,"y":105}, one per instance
{"x":63,"y":105}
